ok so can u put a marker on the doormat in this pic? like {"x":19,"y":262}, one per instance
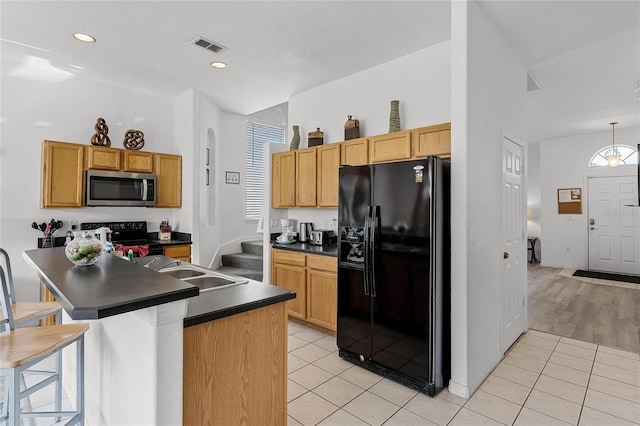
{"x":605,"y":276}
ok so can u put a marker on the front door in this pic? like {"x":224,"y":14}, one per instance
{"x":513,"y":244}
{"x":614,"y":228}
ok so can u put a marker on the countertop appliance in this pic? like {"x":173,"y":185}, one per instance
{"x":105,"y":188}
{"x":127,"y":235}
{"x":393,"y":271}
{"x":322,"y":238}
{"x":304,"y":231}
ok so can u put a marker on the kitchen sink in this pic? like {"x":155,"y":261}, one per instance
{"x":204,"y":279}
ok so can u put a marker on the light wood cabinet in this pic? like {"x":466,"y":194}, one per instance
{"x":179,"y":252}
{"x":390,"y":147}
{"x":306,"y":175}
{"x":354,"y":152}
{"x":101,"y":158}
{"x":235,"y":369}
{"x":283,"y":178}
{"x":168,"y":170}
{"x":62,"y":175}
{"x":431,"y":140}
{"x":322,"y":291}
{"x":328,"y":173}
{"x":136,"y":161}
{"x":314,"y":279}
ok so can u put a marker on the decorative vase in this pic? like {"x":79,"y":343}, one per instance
{"x":295,"y":140}
{"x":315,"y":138}
{"x":394,"y":117}
{"x":84,"y":251}
{"x":351,"y":129}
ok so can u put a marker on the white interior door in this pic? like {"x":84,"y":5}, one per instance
{"x":614,"y":228}
{"x":514,"y":313}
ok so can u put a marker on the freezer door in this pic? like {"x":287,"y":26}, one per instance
{"x":402,"y":307}
{"x":354,"y":195}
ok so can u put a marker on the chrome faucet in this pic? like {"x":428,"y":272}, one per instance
{"x":177,"y":262}
{"x":152,"y":260}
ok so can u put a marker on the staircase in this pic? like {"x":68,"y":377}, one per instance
{"x":247,"y":264}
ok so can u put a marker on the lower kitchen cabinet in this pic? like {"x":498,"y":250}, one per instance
{"x":235,"y":369}
{"x":180,"y":252}
{"x":315,"y":281}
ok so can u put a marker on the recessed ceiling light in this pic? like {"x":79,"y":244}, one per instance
{"x":84,"y":37}
{"x":219,"y":65}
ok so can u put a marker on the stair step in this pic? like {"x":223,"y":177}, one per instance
{"x":252,"y":247}
{"x":247,"y":273}
{"x":243,"y":260}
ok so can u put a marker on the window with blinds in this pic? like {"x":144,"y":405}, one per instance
{"x":257,"y":135}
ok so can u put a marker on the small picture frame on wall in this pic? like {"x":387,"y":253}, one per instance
{"x":232,"y":178}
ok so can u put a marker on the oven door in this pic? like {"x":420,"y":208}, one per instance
{"x":105,"y":188}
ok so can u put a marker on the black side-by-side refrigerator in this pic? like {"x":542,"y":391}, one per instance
{"x":394,"y":270}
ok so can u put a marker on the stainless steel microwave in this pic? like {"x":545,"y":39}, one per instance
{"x":105,"y":188}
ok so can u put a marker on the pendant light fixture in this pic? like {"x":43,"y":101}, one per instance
{"x":613,"y":158}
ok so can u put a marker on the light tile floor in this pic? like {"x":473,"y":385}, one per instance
{"x":543,"y":380}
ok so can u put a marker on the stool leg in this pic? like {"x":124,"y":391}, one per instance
{"x":58,"y":383}
{"x":5,"y":399}
{"x":13,"y":382}
{"x":80,"y":378}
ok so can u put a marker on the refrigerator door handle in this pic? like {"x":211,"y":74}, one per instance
{"x":367,"y":227}
{"x":373,"y":244}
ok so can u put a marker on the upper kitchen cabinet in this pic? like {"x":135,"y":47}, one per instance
{"x":140,"y":162}
{"x":432,"y":140}
{"x":328,"y":157}
{"x":62,"y":175}
{"x":394,"y":146}
{"x":306,"y":175}
{"x":168,"y":170}
{"x":103,"y":158}
{"x":354,"y":152}
{"x":283,"y":178}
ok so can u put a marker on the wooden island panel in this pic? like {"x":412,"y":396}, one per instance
{"x":235,"y":369}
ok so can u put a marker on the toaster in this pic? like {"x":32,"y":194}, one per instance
{"x":322,"y":238}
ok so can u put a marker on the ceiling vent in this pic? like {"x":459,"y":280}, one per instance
{"x":208,"y":45}
{"x":532,"y":84}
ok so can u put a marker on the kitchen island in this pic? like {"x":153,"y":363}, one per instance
{"x":137,"y":343}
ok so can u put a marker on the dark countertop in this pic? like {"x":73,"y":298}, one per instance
{"x":110,"y":287}
{"x":215,"y":304}
{"x":171,"y":242}
{"x":115,"y":286}
{"x":309,"y":248}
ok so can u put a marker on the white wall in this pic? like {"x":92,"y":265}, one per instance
{"x":34,"y":110}
{"x":533,"y":193}
{"x":488,"y":98}
{"x":421,"y":81}
{"x":564,"y":237}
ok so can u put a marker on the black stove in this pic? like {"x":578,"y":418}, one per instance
{"x":126,"y":234}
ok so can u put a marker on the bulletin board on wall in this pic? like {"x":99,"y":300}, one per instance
{"x":570,"y":201}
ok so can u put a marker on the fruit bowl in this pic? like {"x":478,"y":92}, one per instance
{"x":84,"y":251}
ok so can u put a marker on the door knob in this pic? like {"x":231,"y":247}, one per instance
{"x":505,"y":255}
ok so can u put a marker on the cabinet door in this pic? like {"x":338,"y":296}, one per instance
{"x":136,"y":161}
{"x":62,"y":175}
{"x":390,"y":147}
{"x":168,"y":169}
{"x":99,"y":158}
{"x":355,"y":152}
{"x":432,"y":140}
{"x":306,"y":176}
{"x":328,"y":167}
{"x":179,"y":252}
{"x":292,"y":278}
{"x":322,"y":298}
{"x":283,"y":177}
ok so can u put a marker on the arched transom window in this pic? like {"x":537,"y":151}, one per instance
{"x":627,"y":155}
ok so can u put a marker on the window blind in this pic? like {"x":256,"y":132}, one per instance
{"x":257,"y":135}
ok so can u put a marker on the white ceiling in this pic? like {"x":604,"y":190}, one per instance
{"x":585,"y":55}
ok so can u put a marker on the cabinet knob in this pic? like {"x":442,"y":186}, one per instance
{"x":505,"y":255}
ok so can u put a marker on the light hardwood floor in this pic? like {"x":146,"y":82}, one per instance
{"x":566,"y":306}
